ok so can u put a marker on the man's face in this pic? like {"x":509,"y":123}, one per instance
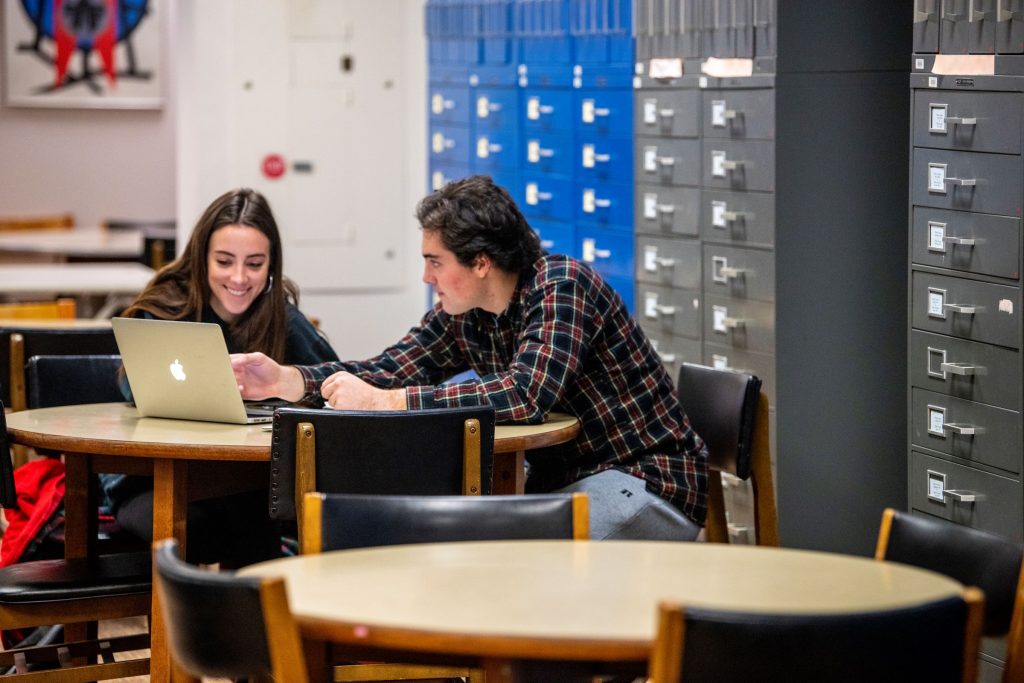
{"x":459,"y":287}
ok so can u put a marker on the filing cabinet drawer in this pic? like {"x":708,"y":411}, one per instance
{"x":967,"y":26}
{"x":926,"y":26}
{"x":738,"y":218}
{"x":997,"y":507}
{"x":449,"y":145}
{"x":971,"y":181}
{"x":739,"y":164}
{"x":449,"y":105}
{"x":674,"y":263}
{"x":664,"y":311}
{"x":496,"y":109}
{"x":546,"y":110}
{"x":964,"y":429}
{"x":971,"y":242}
{"x":739,"y":273}
{"x":548,"y":153}
{"x":495,"y":149}
{"x":970,"y":121}
{"x":674,"y":351}
{"x":974,"y":371}
{"x":555,"y":237}
{"x":609,"y":252}
{"x":966,"y":308}
{"x":739,"y":114}
{"x":664,"y":161}
{"x":1010,"y":33}
{"x":739,"y":323}
{"x":604,"y":158}
{"x":548,"y":197}
{"x":603,"y":112}
{"x":666,"y":210}
{"x":760,"y":364}
{"x":667,"y":113}
{"x":604,"y":203}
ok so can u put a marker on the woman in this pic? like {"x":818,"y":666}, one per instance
{"x":230,"y":274}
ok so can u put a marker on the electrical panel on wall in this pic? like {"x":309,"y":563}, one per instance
{"x":320,"y":133}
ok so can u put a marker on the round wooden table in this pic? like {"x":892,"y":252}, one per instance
{"x":498,"y":602}
{"x":111,"y":437}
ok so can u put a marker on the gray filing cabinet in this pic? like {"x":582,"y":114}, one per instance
{"x":784,"y":190}
{"x":965,"y":388}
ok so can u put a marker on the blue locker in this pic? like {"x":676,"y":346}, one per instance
{"x":603,"y":203}
{"x":440,"y":174}
{"x":610,"y":253}
{"x":604,"y":112}
{"x":449,"y":145}
{"x":547,"y":110}
{"x":546,"y":197}
{"x":544,"y":47}
{"x":449,"y":104}
{"x":547,"y":153}
{"x":495,"y":149}
{"x":495,"y":109}
{"x":555,"y":237}
{"x":604,"y":159}
{"x":508,"y":179}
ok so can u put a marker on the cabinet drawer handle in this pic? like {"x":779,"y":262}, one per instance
{"x":730,"y":273}
{"x":961,"y":308}
{"x":733,"y":323}
{"x":665,"y":310}
{"x":665,"y":208}
{"x":665,"y":262}
{"x":960,"y":241}
{"x":963,"y":182}
{"x":961,"y":496}
{"x":667,"y":357}
{"x":667,"y":161}
{"x":958,"y":369}
{"x":666,"y":113}
{"x":962,"y":429}
{"x":733,"y":216}
{"x":962,"y":120}
{"x":734,"y":165}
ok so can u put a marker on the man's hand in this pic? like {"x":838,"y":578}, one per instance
{"x":259,"y":377}
{"x":345,"y":391}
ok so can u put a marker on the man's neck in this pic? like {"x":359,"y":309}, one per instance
{"x":502,"y":288}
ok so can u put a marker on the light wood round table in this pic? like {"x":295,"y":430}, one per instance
{"x":499,"y":602}
{"x":191,"y":459}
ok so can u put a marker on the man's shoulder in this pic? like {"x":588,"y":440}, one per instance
{"x":558,"y":267}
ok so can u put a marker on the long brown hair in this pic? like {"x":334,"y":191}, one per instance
{"x":181,"y":289}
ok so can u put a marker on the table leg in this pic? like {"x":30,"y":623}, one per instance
{"x":509,"y":473}
{"x":80,"y":524}
{"x":170,"y":489}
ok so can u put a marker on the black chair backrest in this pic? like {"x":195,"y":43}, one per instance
{"x":722,"y":408}
{"x":918,"y":644}
{"x":8,"y":494}
{"x":71,"y":380}
{"x":59,"y":341}
{"x":406,"y":452}
{"x":215,"y":620}
{"x":356,"y":521}
{"x":971,"y":556}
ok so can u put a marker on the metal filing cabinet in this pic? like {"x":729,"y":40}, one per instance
{"x":965,"y":384}
{"x":786,"y":182}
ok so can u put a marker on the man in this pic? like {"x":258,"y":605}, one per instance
{"x":544,"y":333}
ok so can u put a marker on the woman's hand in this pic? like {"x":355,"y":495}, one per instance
{"x":345,"y":391}
{"x":259,"y":377}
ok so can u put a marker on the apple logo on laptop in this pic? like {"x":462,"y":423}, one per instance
{"x":177,"y":371}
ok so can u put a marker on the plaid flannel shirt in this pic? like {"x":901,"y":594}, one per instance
{"x":565,"y":343}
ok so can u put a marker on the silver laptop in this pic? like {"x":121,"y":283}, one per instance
{"x":182,"y":370}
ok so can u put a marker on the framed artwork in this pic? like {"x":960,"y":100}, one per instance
{"x":94,"y":54}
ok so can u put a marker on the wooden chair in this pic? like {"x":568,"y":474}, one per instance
{"x":24,"y":342}
{"x":225,"y":626}
{"x":72,"y":380}
{"x":79,"y":592}
{"x":61,"y":309}
{"x":730,"y":412}
{"x":932,"y":643}
{"x":448,"y":451}
{"x":64,"y":221}
{"x":974,"y":558}
{"x":343,"y":521}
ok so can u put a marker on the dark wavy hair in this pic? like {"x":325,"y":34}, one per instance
{"x":474,"y":216}
{"x":181,"y":289}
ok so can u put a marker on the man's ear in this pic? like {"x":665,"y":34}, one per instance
{"x":482,"y":265}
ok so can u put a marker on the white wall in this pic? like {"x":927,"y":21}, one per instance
{"x":233,"y":108}
{"x":96,"y":164}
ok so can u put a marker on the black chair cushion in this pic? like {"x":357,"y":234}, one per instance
{"x":72,"y":380}
{"x":722,"y":408}
{"x":104,"y":576}
{"x":971,"y":556}
{"x":901,"y":646}
{"x":365,"y":521}
{"x":408,"y":452}
{"x":52,"y":342}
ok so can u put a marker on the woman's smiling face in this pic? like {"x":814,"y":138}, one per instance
{"x":238,"y":265}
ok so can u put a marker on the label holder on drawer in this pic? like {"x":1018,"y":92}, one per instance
{"x":937,"y":486}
